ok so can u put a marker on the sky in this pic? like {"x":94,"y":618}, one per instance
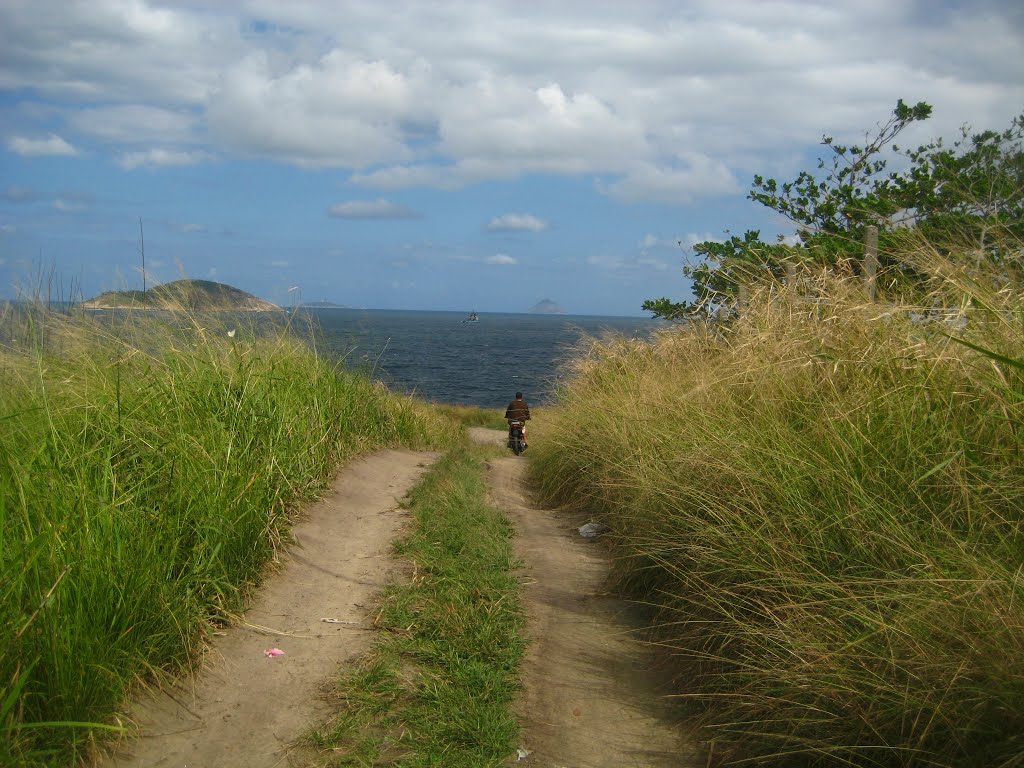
{"x":475,"y":155}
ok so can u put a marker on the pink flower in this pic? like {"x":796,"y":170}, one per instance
{"x":273,"y":652}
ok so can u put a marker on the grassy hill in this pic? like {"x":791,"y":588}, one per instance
{"x":183,"y":294}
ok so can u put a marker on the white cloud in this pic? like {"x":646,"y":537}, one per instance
{"x":692,"y":177}
{"x":370,"y":209}
{"x":161,"y":158}
{"x":8,"y":229}
{"x":135,"y":124}
{"x":656,"y":264}
{"x":631,"y":263}
{"x":692,"y":238}
{"x":336,"y":111}
{"x":501,"y":259}
{"x":190,"y":229}
{"x":444,"y":176}
{"x":539,"y":129}
{"x":115,"y":50}
{"x":280,"y":264}
{"x":16,"y":194}
{"x":512,"y":222}
{"x":404,"y":176}
{"x":69,"y":206}
{"x":663,"y":102}
{"x":650,"y":242}
{"x":51,"y":145}
{"x":606,"y":262}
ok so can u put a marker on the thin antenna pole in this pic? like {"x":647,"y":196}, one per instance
{"x":142,"y":248}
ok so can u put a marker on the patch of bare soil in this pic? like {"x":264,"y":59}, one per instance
{"x":590,"y":698}
{"x":246,"y":708}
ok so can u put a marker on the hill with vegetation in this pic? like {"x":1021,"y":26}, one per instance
{"x":194,"y":295}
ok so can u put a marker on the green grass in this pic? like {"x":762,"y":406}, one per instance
{"x":437,"y":687}
{"x":822,"y":506}
{"x":149,"y":468}
{"x":473,"y":416}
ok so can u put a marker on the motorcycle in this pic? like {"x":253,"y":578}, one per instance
{"x":516,"y":438}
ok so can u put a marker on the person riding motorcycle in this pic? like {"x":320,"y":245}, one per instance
{"x":519,"y":411}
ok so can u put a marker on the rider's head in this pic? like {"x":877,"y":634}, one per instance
{"x":519,"y":395}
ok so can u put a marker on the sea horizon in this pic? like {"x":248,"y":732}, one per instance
{"x":463,"y":312}
{"x":435,"y":354}
{"x":332,"y":306}
{"x":439,"y":357}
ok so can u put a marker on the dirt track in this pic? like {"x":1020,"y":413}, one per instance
{"x":589,"y":699}
{"x":246,"y":708}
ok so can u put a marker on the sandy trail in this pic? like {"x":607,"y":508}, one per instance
{"x":245,"y":709}
{"x":590,"y":699}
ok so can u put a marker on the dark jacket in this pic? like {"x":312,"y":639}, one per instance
{"x":518,"y":410}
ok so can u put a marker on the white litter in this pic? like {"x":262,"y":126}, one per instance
{"x":592,"y":530}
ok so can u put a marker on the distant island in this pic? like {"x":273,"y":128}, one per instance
{"x":546,"y":307}
{"x":193,"y":295}
{"x":324,"y":305}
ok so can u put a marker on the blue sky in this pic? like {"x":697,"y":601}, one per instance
{"x":448,"y":155}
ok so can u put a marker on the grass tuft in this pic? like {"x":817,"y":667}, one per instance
{"x":474,"y":416}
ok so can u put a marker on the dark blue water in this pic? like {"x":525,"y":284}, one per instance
{"x":440,"y":358}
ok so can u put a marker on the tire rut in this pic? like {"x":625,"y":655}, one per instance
{"x":590,"y":698}
{"x":245,"y":708}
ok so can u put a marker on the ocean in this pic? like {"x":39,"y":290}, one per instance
{"x":435,"y":355}
{"x":439,"y":357}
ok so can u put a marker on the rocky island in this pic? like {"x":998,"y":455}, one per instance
{"x":192,"y":295}
{"x":546,"y":307}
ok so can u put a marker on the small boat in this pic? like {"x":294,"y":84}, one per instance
{"x":473,"y":318}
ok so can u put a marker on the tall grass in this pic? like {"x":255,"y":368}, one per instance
{"x":822,"y":505}
{"x":149,"y":467}
{"x":475,"y":416}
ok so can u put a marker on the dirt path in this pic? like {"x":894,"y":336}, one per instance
{"x":589,"y":699}
{"x":247,"y":707}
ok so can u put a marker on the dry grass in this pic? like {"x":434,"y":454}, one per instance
{"x":822,"y":505}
